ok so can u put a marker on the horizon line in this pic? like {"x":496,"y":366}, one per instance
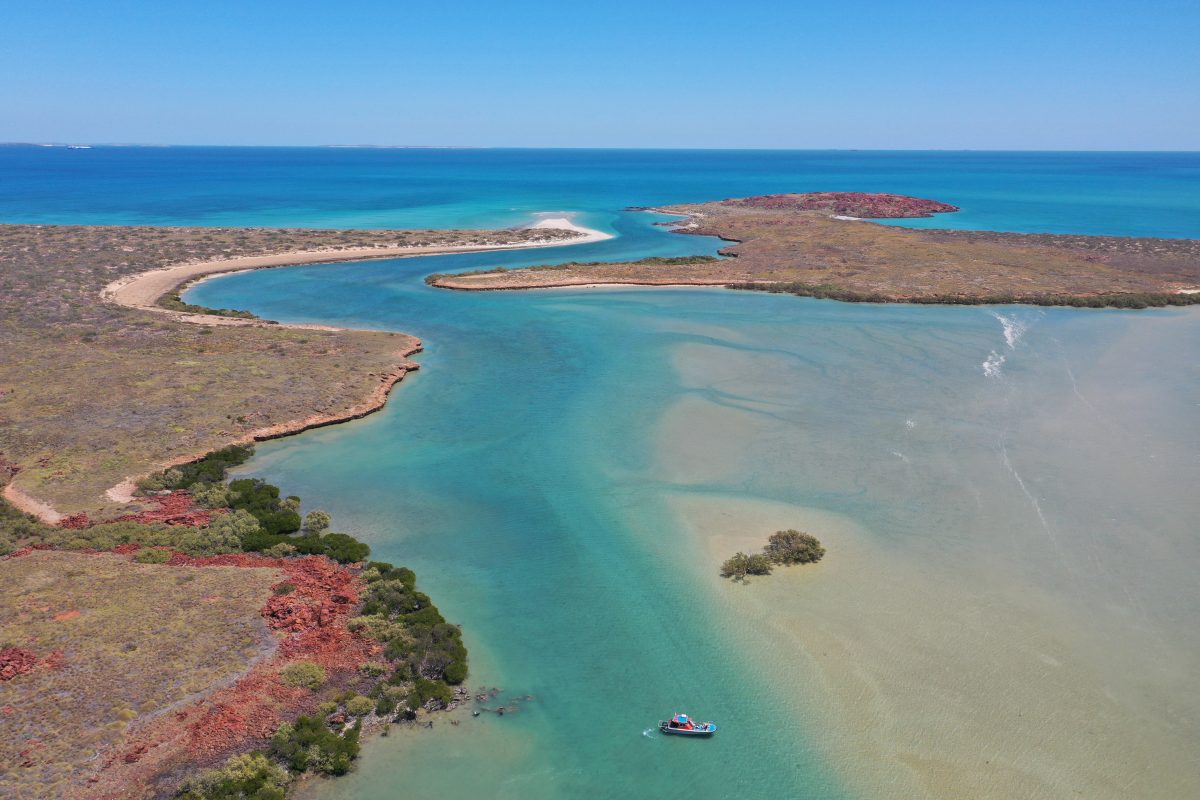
{"x":77,"y":144}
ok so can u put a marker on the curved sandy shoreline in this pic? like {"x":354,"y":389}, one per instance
{"x":456,"y":284}
{"x":144,"y":289}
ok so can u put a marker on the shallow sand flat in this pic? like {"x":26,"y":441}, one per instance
{"x":996,"y":618}
{"x":929,"y":687}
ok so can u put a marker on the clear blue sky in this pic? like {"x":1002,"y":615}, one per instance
{"x":1052,"y":74}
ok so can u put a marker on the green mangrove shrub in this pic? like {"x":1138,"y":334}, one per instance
{"x":793,"y":547}
{"x":783,"y":547}
{"x":739,"y":565}
{"x":309,"y":744}
{"x":211,"y":469}
{"x":359,"y":706}
{"x":304,"y":674}
{"x":1128,"y":300}
{"x":316,"y":521}
{"x":251,"y":776}
{"x":421,"y":646}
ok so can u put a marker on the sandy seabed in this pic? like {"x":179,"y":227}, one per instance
{"x":971,"y":662}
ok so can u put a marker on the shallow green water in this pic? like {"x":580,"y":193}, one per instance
{"x":1014,"y":464}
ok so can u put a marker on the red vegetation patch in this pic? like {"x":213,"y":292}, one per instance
{"x":76,"y":521}
{"x":16,"y":661}
{"x":850,"y":204}
{"x":65,"y":615}
{"x":176,"y":508}
{"x":316,"y":599}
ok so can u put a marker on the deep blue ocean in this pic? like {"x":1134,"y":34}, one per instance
{"x":1135,"y":194}
{"x":1007,"y":494}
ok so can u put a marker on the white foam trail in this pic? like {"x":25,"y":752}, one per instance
{"x":901,"y":456}
{"x":908,"y":423}
{"x":1013,"y":328}
{"x":1037,"y":507}
{"x":991,"y":366}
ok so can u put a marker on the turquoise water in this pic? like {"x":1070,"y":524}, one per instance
{"x":1143,"y":194}
{"x":1007,"y":494}
{"x":534,"y":472}
{"x":508,"y":477}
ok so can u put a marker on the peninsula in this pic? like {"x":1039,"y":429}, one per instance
{"x":95,"y":392}
{"x":821,"y":244}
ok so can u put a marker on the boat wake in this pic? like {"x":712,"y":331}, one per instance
{"x":649,"y":733}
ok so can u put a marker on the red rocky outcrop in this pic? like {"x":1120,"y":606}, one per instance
{"x":315,"y":599}
{"x":16,"y":661}
{"x":850,"y":204}
{"x":76,"y":521}
{"x":175,"y":508}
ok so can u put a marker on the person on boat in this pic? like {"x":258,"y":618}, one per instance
{"x":681,"y":723}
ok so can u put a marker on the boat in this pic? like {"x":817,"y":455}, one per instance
{"x":683,"y":725}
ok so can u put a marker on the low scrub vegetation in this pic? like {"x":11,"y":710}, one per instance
{"x":173,"y":302}
{"x":116,"y":642}
{"x":782,"y":548}
{"x":653,"y":261}
{"x":1129,"y":300}
{"x":423,"y":656}
{"x":303,"y":673}
{"x":251,"y":776}
{"x":259,"y":519}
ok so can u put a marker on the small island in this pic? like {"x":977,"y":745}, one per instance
{"x":822,"y":244}
{"x":783,"y":548}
